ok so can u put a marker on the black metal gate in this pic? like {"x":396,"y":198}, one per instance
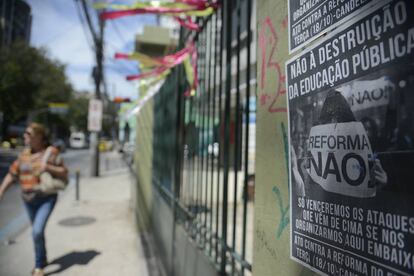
{"x":203,"y":162}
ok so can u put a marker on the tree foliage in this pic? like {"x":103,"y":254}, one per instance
{"x":78,"y":111}
{"x":29,"y":81}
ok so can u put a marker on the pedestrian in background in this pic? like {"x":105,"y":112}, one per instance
{"x":27,"y":170}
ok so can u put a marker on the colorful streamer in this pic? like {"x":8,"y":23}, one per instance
{"x":190,"y":8}
{"x":109,"y":15}
{"x":150,"y":82}
{"x":145,"y":61}
{"x":191,"y":73}
{"x":166,"y":61}
{"x":153,"y":73}
{"x":162,"y":65}
{"x":192,"y":2}
{"x":149,"y":4}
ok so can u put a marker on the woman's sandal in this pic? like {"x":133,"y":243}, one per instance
{"x":37,"y":272}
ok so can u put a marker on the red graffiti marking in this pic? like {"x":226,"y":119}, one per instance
{"x":264,"y":98}
{"x":268,"y":41}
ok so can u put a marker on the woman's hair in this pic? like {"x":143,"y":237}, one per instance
{"x":42,"y":131}
{"x":335,"y":109}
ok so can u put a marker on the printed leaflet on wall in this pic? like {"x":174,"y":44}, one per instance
{"x":351,"y":133}
{"x":308,"y":19}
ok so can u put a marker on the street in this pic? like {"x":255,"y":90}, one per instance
{"x":13,"y":218}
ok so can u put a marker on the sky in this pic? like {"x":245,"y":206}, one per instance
{"x":56,"y":26}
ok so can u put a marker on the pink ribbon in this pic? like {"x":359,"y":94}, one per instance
{"x":188,"y":23}
{"x":121,"y":56}
{"x":167,"y":62}
{"x":156,"y":72}
{"x":196,"y":6}
{"x":193,"y":2}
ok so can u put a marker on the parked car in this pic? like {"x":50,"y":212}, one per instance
{"x":78,"y":140}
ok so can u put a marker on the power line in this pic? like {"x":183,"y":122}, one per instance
{"x":96,"y":38}
{"x":52,"y":38}
{"x":83,"y":24}
{"x":118,"y":32}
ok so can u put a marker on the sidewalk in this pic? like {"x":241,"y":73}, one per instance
{"x":95,"y":236}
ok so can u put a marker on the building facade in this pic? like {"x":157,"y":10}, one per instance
{"x":15,"y":22}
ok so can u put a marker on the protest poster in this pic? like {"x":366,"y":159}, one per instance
{"x":366,"y":94}
{"x":308,"y":19}
{"x":339,"y":158}
{"x":351,"y":140}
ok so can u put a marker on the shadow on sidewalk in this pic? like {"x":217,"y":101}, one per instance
{"x":71,"y":259}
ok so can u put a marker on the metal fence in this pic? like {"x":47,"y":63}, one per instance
{"x":203,"y":162}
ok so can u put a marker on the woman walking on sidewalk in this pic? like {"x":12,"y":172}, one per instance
{"x":36,"y":158}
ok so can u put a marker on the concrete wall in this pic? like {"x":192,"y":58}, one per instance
{"x":163,"y":223}
{"x":272,"y":225}
{"x":142,"y":196}
{"x":191,"y":260}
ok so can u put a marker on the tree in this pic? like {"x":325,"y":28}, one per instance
{"x":29,"y":80}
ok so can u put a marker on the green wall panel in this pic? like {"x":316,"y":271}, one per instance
{"x":272,"y":226}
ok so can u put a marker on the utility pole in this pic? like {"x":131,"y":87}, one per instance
{"x":97,"y":73}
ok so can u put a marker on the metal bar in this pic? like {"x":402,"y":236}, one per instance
{"x":200,"y":137}
{"x":189,"y":154}
{"x":186,"y":187}
{"x":213,"y":111}
{"x":226,"y":134}
{"x":205,"y":128}
{"x":194,"y":161}
{"x":237,"y":132}
{"x":219,"y":114}
{"x":191,"y":151}
{"x":196,"y":145}
{"x":208,"y":78}
{"x":179,"y":133}
{"x":170,"y":198}
{"x":247,"y":115}
{"x":77,"y":185}
{"x":178,"y":156}
{"x":243,"y":263}
{"x":201,"y":129}
{"x":193,"y":36}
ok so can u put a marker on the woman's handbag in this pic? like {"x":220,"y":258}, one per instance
{"x":49,"y":184}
